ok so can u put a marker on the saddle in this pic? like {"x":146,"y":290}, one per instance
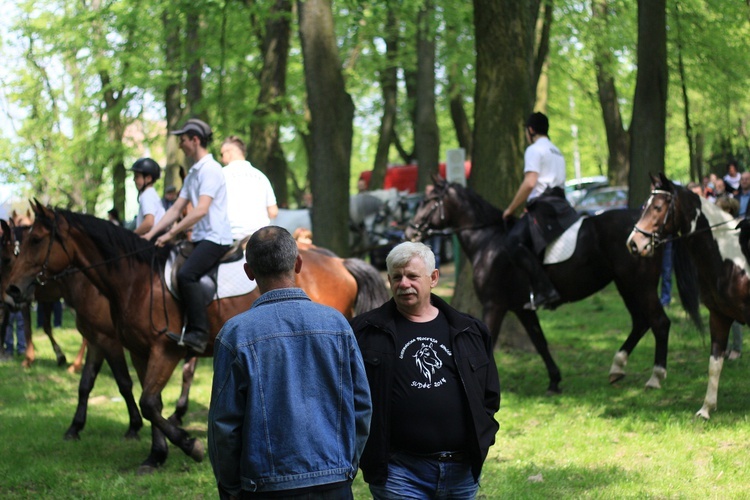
{"x":226,"y":279}
{"x":563,"y":247}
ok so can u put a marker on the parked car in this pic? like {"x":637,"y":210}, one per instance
{"x":575,"y":189}
{"x":602,"y":199}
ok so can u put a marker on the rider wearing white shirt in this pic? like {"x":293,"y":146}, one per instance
{"x":150,"y":209}
{"x":205,"y":188}
{"x":547,"y":215}
{"x":250,"y":198}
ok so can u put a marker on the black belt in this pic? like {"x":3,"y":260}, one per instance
{"x":444,"y":456}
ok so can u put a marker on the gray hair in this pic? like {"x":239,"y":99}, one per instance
{"x":271,"y":252}
{"x":404,"y":252}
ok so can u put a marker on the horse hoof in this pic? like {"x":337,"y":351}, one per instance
{"x":703,"y":413}
{"x":72,"y":436}
{"x":553,"y":391}
{"x":616,"y":377}
{"x":61,"y":361}
{"x":145,"y":469}
{"x":132,"y":435}
{"x":198,"y":450}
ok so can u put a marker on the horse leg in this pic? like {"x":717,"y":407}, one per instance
{"x":530,"y":322}
{"x":77,"y":364}
{"x":46,"y":309}
{"x":160,"y":367}
{"x":719,"y":326}
{"x":188,"y":372}
{"x":94,"y":360}
{"x":115,"y":356}
{"x":30,"y":355}
{"x":159,"y":449}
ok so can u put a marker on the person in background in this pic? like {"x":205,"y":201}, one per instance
{"x":290,"y":405}
{"x":170,"y":195}
{"x":720,"y":190}
{"x":205,"y":188}
{"x":114,"y":216}
{"x":732,"y":178}
{"x":150,"y":209}
{"x":250,"y":197}
{"x":743,"y":194}
{"x":434,"y":386}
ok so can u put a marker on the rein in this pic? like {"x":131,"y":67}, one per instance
{"x":424,"y":227}
{"x":42,"y":278}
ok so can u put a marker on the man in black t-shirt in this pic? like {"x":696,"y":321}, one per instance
{"x":434,"y":387}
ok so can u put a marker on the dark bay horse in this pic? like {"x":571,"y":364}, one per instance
{"x":127,"y":271}
{"x":600,"y":257}
{"x":713,"y":245}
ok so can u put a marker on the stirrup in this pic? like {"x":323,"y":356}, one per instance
{"x":530,"y":305}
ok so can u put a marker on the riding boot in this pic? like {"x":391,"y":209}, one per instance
{"x":195,"y":334}
{"x":543,"y":293}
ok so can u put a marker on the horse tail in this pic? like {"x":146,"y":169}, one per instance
{"x":687,"y":283}
{"x":371,"y":290}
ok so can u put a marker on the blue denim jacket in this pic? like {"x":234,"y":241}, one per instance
{"x":290,"y":404}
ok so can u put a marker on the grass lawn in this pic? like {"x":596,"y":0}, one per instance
{"x":593,"y":441}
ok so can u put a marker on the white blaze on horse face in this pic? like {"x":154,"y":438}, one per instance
{"x":724,"y":233}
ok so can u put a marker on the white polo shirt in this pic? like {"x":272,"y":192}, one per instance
{"x":206,"y":178}
{"x":149,"y":203}
{"x":249,"y":194}
{"x":544,"y":158}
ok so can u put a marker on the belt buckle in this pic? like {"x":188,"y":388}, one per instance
{"x":448,"y":456}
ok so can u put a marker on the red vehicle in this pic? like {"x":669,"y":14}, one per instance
{"x":404,"y":177}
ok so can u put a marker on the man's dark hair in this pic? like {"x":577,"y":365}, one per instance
{"x":539,"y":122}
{"x":271,"y":252}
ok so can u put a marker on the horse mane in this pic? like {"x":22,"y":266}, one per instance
{"x":114,"y":242}
{"x":485,"y":211}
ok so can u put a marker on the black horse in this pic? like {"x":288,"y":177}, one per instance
{"x":600,"y":256}
{"x":718,"y":253}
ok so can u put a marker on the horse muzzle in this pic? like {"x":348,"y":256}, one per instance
{"x":640,"y":245}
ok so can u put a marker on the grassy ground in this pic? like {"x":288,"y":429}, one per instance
{"x":593,"y":441}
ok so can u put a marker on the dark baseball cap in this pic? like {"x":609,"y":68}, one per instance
{"x":195,"y":125}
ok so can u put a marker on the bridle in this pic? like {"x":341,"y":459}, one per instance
{"x":656,"y":236}
{"x":437,"y":205}
{"x":42,"y":277}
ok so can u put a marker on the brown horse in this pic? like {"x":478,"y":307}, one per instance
{"x":11,"y":235}
{"x":127,"y":270}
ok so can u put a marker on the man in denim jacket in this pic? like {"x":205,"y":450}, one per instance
{"x":290,"y":405}
{"x":434,"y":385}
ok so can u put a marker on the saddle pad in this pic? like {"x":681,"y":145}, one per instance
{"x":232,"y":280}
{"x":563,"y":247}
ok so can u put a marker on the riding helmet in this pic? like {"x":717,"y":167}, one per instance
{"x":147,"y":166}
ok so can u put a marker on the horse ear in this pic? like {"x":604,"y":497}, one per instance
{"x":5,"y":226}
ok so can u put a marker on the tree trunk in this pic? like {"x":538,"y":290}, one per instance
{"x":194,"y":49}
{"x":648,"y":129}
{"x":115,"y":133}
{"x":172,"y":98}
{"x":427,"y":135}
{"x":618,"y":141}
{"x":458,"y":113}
{"x":389,"y":85}
{"x":694,"y":171}
{"x":505,"y":94}
{"x":331,"y":127}
{"x":265,"y":151}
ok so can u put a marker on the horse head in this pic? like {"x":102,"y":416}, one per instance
{"x":657,"y":222}
{"x":427,"y":361}
{"x":433,"y":213}
{"x":40,"y":254}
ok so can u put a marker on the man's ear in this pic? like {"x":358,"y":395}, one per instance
{"x":298,"y":264}
{"x":249,"y":272}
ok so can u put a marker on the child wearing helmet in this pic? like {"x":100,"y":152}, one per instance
{"x":150,"y":210}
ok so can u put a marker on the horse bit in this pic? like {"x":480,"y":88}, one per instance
{"x":425,"y":225}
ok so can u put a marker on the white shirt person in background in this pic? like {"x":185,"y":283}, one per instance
{"x":250,"y":196}
{"x":150,"y":209}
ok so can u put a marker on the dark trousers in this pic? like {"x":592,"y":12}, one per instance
{"x":204,"y":256}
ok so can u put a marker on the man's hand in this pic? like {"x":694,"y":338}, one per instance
{"x":507,"y":214}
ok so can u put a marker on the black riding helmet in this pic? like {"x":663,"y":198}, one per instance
{"x":147,"y":166}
